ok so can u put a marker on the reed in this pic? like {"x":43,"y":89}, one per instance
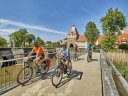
{"x":120,"y":59}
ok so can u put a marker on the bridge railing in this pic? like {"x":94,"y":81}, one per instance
{"x":9,"y":69}
{"x":113,"y":82}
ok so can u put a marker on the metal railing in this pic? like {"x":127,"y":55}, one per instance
{"x":9,"y":69}
{"x":8,"y":73}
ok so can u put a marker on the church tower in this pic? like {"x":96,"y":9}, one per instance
{"x":72,"y":36}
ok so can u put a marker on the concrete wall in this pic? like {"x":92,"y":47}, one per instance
{"x":82,"y":44}
{"x":11,"y":53}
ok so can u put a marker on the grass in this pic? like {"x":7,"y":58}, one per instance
{"x":120,"y":59}
{"x":9,"y":74}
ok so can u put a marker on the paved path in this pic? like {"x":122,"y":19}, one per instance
{"x":89,"y":85}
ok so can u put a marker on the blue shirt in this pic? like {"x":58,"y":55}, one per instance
{"x":66,"y":53}
{"x":90,"y":46}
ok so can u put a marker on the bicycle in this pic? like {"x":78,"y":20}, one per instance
{"x":89,"y":56}
{"x":27,"y":72}
{"x":61,"y":69}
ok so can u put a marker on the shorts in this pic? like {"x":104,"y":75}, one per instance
{"x":41,"y":57}
{"x":68,"y":59}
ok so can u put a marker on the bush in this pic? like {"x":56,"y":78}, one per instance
{"x":123,"y":46}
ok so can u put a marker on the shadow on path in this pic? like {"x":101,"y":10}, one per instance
{"x":41,"y":76}
{"x":74,"y":75}
{"x":79,"y":59}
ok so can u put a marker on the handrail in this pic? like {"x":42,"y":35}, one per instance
{"x":108,"y":85}
{"x":121,"y":83}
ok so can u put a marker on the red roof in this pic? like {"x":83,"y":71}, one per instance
{"x":100,"y":38}
{"x":73,"y":31}
{"x":123,"y":37}
{"x":81,"y":38}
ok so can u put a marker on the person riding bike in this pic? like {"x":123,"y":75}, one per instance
{"x":66,"y":54}
{"x":89,"y":48}
{"x":40,"y":55}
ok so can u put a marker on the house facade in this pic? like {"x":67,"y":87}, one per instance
{"x":73,"y":38}
{"x":122,"y":38}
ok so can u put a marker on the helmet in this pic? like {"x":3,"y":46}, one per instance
{"x":35,"y":43}
{"x":62,"y":43}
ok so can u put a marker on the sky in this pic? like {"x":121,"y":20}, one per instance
{"x":51,"y":20}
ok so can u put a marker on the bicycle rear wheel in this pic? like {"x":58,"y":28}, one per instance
{"x":24,"y":75}
{"x":57,"y":76}
{"x":44,"y":69}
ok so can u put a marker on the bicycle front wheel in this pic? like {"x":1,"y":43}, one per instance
{"x":57,"y":76}
{"x":25,"y":75}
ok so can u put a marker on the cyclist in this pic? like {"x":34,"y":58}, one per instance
{"x":89,"y":48}
{"x":39,"y":54}
{"x":66,"y":54}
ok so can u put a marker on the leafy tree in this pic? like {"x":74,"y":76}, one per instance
{"x":108,"y":42}
{"x":50,"y":44}
{"x":3,"y":42}
{"x":55,"y":44}
{"x":29,"y":38}
{"x":112,"y":23}
{"x":18,"y":37}
{"x":91,"y":32}
{"x":40,"y":41}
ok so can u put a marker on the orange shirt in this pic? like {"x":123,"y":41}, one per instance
{"x":38,"y":50}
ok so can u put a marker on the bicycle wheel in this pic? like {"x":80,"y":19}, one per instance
{"x":24,"y":75}
{"x":57,"y":76}
{"x":44,"y":69}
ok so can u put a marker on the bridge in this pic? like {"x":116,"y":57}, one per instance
{"x":99,"y":78}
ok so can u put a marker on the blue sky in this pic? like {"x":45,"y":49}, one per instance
{"x":52,"y":19}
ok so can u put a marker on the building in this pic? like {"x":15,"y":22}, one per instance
{"x":122,"y":38}
{"x":99,"y":40}
{"x":73,"y":38}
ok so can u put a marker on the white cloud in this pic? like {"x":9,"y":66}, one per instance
{"x":8,"y":31}
{"x":87,"y":11}
{"x":27,"y":26}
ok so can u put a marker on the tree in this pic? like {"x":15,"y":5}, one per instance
{"x":40,"y":41}
{"x":91,"y":32}
{"x":18,"y":37}
{"x":29,"y":38}
{"x":108,"y":42}
{"x":3,"y":42}
{"x":112,"y":23}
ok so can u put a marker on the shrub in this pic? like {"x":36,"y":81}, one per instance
{"x":123,"y":46}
